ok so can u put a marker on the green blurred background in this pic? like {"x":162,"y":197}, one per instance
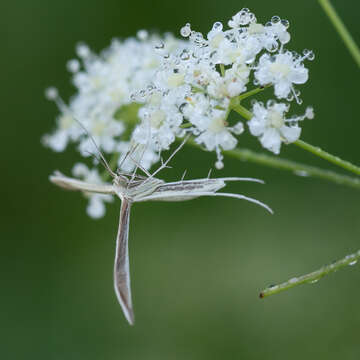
{"x":197,"y":267}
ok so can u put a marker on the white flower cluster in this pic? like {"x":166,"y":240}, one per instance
{"x":151,"y":90}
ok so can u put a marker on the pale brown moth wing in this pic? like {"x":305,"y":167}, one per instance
{"x":121,"y":267}
{"x":69,"y":183}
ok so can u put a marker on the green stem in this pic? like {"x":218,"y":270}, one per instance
{"x":305,"y":146}
{"x":287,"y":165}
{"x":245,"y":113}
{"x":341,"y":29}
{"x":222,"y":70}
{"x":312,"y":277}
{"x":252,"y":92}
{"x":331,"y":158}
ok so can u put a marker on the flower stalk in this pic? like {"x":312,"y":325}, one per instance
{"x":312,"y":277}
{"x":341,"y":29}
{"x":245,"y":113}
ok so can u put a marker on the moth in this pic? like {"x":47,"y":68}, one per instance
{"x":132,"y":188}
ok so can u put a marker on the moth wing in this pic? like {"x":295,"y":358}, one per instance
{"x":121,"y":267}
{"x":184,"y":190}
{"x":69,"y":183}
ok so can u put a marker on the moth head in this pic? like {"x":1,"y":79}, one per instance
{"x":120,"y":180}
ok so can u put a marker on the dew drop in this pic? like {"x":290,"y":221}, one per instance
{"x":185,"y":31}
{"x":160,"y":45}
{"x":185,"y":55}
{"x":285,"y":23}
{"x":275,"y":19}
{"x":218,"y":26}
{"x":182,"y":107}
{"x":314,"y":281}
{"x":272,"y":47}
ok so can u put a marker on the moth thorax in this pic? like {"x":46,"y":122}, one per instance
{"x":121,"y":180}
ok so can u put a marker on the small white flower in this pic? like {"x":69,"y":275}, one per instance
{"x":283,"y":70}
{"x":215,"y":132}
{"x":269,"y":124}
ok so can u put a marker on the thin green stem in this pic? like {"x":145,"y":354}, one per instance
{"x":305,"y":146}
{"x":312,"y":277}
{"x":331,"y":158}
{"x":245,"y":113}
{"x":287,"y":165}
{"x":341,"y":29}
{"x":252,"y":92}
{"x":222,"y":70}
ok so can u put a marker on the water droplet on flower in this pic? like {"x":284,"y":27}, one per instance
{"x":275,"y":19}
{"x":218,"y":26}
{"x":272,"y":47}
{"x":160,"y":45}
{"x":182,"y":107}
{"x":185,"y":31}
{"x":285,"y":23}
{"x":185,"y":55}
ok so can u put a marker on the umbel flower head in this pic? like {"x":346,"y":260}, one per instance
{"x":152,"y":90}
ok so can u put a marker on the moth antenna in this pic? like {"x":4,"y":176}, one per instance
{"x":129,"y":152}
{"x":102,"y":157}
{"x":209,"y":173}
